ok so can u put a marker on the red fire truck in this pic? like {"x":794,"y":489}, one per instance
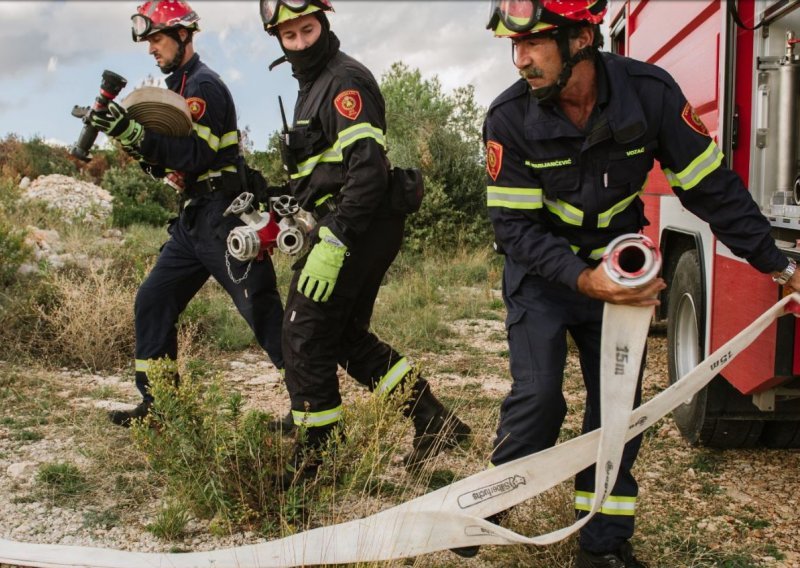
{"x":745,"y":85}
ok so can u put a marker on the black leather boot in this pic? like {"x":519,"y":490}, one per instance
{"x":306,"y":459}
{"x":125,"y":417}
{"x":284,"y":425}
{"x":435,"y":427}
{"x":621,"y":558}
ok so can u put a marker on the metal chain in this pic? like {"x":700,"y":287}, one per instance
{"x":230,"y":272}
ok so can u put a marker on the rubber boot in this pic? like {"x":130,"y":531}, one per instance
{"x":306,"y":459}
{"x":435,"y":427}
{"x":284,"y":425}
{"x":125,"y":417}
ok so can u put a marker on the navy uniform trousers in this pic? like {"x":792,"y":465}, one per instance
{"x":195,"y":251}
{"x":540,"y":314}
{"x":319,"y":336}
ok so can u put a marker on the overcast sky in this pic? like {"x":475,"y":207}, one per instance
{"x":52,"y":54}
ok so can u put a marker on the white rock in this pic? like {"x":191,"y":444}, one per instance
{"x":21,"y":470}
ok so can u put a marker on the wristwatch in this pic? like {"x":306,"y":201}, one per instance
{"x":786,"y":274}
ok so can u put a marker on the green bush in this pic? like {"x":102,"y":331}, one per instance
{"x":138,"y":198}
{"x":34,"y":158}
{"x":13,"y":252}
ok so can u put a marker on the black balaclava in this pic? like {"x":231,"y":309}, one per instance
{"x":176,"y":62}
{"x":308,"y":63}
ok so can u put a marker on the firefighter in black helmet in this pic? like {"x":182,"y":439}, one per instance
{"x":342,"y":176}
{"x":568,"y":151}
{"x":203,"y":166}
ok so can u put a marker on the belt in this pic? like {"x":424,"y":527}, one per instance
{"x":227,"y":184}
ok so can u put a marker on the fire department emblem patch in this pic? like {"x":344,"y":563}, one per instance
{"x":494,"y":158}
{"x":348,"y":103}
{"x":690,"y":117}
{"x":197,"y":107}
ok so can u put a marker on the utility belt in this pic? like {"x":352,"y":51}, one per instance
{"x":227,"y":184}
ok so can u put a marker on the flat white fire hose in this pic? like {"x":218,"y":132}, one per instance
{"x":453,"y":516}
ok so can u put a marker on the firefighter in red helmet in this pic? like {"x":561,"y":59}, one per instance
{"x":342,"y":177}
{"x":569,"y":147}
{"x":206,"y":166}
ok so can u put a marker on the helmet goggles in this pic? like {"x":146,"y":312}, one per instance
{"x":270,"y":9}
{"x":519,"y":16}
{"x":153,"y":17}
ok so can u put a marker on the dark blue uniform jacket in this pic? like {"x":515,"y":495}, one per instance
{"x":213,"y":146}
{"x":558,"y":195}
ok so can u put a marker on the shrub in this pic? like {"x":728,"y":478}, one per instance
{"x":90,"y":321}
{"x":34,"y":158}
{"x":138,"y":198}
{"x":13,"y":252}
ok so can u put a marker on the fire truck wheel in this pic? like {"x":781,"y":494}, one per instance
{"x":700,"y":420}
{"x":781,"y":434}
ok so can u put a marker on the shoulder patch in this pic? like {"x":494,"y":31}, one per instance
{"x":197,"y":107}
{"x":494,"y":158}
{"x":690,"y":117}
{"x":348,"y":103}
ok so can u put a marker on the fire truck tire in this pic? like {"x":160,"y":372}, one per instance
{"x":781,"y":434}
{"x":700,"y":420}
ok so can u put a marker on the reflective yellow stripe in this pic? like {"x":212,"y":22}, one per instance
{"x":604,"y":219}
{"x":316,"y":419}
{"x":215,"y":173}
{"x":335,"y":154}
{"x":570,"y":214}
{"x":143,"y":365}
{"x":204,"y":133}
{"x":323,"y":199}
{"x":696,"y":172}
{"x":514,"y":197}
{"x":229,"y":139}
{"x":596,"y":254}
{"x":393,"y":377}
{"x":618,"y":506}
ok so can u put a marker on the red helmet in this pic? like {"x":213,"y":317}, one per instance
{"x":160,"y":15}
{"x":515,"y":18}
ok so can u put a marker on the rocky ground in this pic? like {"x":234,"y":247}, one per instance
{"x":697,"y":507}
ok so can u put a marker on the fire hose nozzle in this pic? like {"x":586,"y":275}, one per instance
{"x":632,"y":260}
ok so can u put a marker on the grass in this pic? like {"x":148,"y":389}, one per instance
{"x":210,"y":458}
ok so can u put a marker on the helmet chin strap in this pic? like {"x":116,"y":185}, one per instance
{"x":549,"y":93}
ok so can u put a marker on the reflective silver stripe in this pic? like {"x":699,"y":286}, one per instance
{"x":564,"y":211}
{"x":316,"y":419}
{"x":604,"y":219}
{"x":393,"y":377}
{"x":142,"y":365}
{"x":514,"y":197}
{"x":696,"y":171}
{"x":335,"y":154}
{"x":619,"y":506}
{"x":215,"y":173}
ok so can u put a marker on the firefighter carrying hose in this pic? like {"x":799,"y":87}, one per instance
{"x":340,"y":172}
{"x":568,"y":150}
{"x":204,"y":165}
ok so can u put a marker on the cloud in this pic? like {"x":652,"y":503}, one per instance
{"x":52,"y":64}
{"x":233,"y":75}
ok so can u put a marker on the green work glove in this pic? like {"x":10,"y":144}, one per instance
{"x":322,"y":267}
{"x":115,"y":122}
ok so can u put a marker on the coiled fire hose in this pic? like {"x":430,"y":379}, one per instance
{"x":453,"y":516}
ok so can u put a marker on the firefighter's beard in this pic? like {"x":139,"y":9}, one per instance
{"x":172,"y":65}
